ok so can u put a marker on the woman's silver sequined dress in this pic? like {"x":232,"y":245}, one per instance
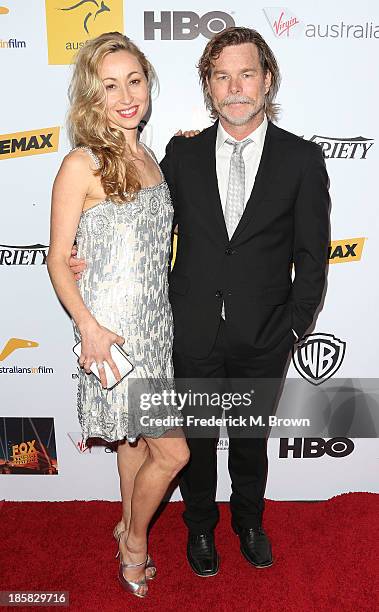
{"x":125,"y":287}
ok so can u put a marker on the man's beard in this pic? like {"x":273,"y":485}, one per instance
{"x":251,"y":111}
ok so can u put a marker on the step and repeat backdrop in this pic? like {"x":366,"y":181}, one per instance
{"x":329,"y":95}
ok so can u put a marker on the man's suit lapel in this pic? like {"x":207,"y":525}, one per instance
{"x":268,"y":165}
{"x":207,"y":167}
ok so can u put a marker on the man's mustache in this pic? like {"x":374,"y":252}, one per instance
{"x":233,"y":99}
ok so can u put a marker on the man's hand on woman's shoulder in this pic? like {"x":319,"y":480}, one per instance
{"x":187,"y":133}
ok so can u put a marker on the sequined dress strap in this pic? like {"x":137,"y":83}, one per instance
{"x":92,"y":155}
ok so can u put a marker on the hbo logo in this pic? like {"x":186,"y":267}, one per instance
{"x":185,"y":25}
{"x":315,"y":447}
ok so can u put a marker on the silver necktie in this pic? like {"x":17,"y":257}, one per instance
{"x":235,"y":199}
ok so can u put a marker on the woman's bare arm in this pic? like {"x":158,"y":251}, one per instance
{"x":69,"y":193}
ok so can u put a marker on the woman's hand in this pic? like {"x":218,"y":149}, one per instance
{"x":96,"y":343}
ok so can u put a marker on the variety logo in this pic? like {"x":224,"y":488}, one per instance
{"x":344,"y":148}
{"x":70,"y":24}
{"x":16,"y":343}
{"x":34,"y":142}
{"x":185,"y":25}
{"x":312,"y":448}
{"x":12,"y":43}
{"x":29,"y":255}
{"x":318,"y":357}
{"x":286,"y":24}
{"x":342,"y":251}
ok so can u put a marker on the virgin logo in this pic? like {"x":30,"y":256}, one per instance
{"x":282,"y":22}
{"x":282,"y":25}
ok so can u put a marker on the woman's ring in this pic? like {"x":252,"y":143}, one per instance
{"x":100,"y":366}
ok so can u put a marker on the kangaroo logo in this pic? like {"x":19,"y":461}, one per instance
{"x":92,"y":13}
{"x":14,"y":344}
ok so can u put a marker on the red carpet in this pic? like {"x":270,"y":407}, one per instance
{"x":326,"y":558}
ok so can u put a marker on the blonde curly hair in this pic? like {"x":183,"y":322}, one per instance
{"x":87,"y":120}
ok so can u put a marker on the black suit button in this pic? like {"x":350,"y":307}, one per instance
{"x":230,"y":252}
{"x":219,"y":293}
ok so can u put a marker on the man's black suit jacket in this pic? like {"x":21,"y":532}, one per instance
{"x":285,"y":222}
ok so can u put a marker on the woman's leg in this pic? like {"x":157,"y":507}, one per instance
{"x":166,"y":457}
{"x":130,"y":457}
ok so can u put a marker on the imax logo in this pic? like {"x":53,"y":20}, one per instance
{"x":33,"y":142}
{"x":185,"y":25}
{"x":350,"y":249}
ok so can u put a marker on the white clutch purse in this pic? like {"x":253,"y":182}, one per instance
{"x":119,"y":357}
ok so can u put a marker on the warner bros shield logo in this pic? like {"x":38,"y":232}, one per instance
{"x":318,"y":357}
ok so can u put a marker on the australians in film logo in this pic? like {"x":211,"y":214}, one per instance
{"x":27,"y":255}
{"x":12,"y":345}
{"x":33,"y":142}
{"x":70,"y":24}
{"x":286,"y":24}
{"x":343,"y":251}
{"x":318,"y":357}
{"x":10,"y":43}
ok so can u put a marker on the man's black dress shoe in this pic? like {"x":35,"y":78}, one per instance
{"x":255,"y":546}
{"x":202,"y":554}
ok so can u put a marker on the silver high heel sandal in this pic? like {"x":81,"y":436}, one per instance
{"x":132,"y":586}
{"x":150,"y":565}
